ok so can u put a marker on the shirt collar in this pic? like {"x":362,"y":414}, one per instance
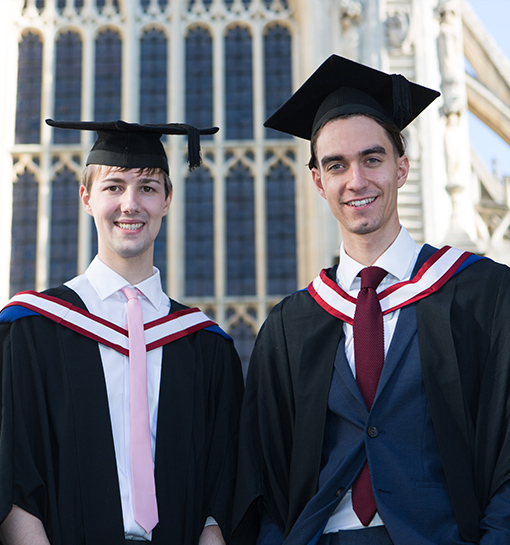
{"x":106,"y":282}
{"x":398,"y":260}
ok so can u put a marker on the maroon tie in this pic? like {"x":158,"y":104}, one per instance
{"x":368,"y":330}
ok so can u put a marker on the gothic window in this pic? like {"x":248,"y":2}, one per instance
{"x":68,"y":85}
{"x":153,"y":77}
{"x":93,"y":239}
{"x":146,"y":3}
{"x":269,"y":3}
{"x":28,"y":105}
{"x":206,"y":3}
{"x":62,"y":4}
{"x":278,"y":72}
{"x":199,"y":78}
{"x":64,"y":227}
{"x":199,"y":232}
{"x":240,"y":232}
{"x":102,"y":3}
{"x":244,"y":338}
{"x":281,"y":231}
{"x":238,"y":84}
{"x":24,"y":233}
{"x":107,"y":85}
{"x":39,"y":4}
{"x":160,"y":251}
{"x":246,"y":3}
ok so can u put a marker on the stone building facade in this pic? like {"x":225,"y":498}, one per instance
{"x":248,"y":227}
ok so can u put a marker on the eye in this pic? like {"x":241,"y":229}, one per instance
{"x":335,"y":167}
{"x":147,"y":189}
{"x":112,"y":188}
{"x":372,"y":161}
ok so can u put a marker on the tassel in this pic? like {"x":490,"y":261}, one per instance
{"x":194,"y":158}
{"x":402,"y":104}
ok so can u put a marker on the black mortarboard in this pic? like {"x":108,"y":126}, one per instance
{"x":341,"y":86}
{"x":130,"y":145}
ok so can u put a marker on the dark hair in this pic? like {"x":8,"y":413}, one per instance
{"x":396,"y":137}
{"x":91,"y":171}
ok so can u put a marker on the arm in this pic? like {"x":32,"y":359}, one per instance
{"x":211,"y":535}
{"x":21,"y":528}
{"x":270,"y":533}
{"x":223,"y":402}
{"x":495,"y":525}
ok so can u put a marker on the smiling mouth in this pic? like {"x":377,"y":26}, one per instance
{"x":129,"y":226}
{"x":361,"y":202}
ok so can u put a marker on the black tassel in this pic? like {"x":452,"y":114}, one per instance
{"x":194,"y":157}
{"x":402,"y":104}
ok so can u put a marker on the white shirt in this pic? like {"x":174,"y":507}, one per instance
{"x":399,"y":261}
{"x":99,"y":289}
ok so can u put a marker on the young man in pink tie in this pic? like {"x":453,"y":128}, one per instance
{"x":376,"y":408}
{"x":119,"y":405}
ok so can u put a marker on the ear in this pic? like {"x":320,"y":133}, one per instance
{"x":168,"y":201}
{"x":317,"y":180}
{"x":85,"y":199}
{"x":403,"y":170}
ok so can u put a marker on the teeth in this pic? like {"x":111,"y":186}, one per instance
{"x":130,"y":226}
{"x":362,"y":202}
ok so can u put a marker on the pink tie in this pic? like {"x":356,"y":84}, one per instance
{"x":368,"y":331}
{"x":144,"y":489}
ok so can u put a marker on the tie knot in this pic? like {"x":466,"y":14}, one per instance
{"x":371,"y":277}
{"x":130,"y":293}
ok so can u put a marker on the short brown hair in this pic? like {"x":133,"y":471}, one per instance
{"x":396,"y":137}
{"x":91,"y":172}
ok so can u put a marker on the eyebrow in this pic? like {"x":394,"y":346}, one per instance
{"x":149,"y":180}
{"x":116,"y":179}
{"x":380,"y":150}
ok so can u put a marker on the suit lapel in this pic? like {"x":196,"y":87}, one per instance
{"x":343,"y":369}
{"x":402,"y":337}
{"x":405,"y":330}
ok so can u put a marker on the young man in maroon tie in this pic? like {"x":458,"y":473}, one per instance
{"x":376,"y":407}
{"x":119,"y":405}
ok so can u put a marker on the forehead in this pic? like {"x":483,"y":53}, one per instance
{"x":351,"y":134}
{"x":121,"y":173}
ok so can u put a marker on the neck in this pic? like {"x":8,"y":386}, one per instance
{"x":368,"y":248}
{"x":134,"y":271}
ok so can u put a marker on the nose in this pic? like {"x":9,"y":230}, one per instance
{"x":130,"y":201}
{"x":356,"y":179}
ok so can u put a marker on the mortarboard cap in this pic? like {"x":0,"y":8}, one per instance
{"x":130,"y":145}
{"x":341,"y":86}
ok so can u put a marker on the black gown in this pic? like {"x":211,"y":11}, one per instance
{"x":57,"y":457}
{"x":464,"y":340}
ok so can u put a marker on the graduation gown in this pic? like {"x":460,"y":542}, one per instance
{"x":464,"y":340}
{"x":57,"y":457}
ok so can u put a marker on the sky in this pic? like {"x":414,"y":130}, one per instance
{"x":494,"y":15}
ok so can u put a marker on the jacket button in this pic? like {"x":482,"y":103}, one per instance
{"x":340,"y":491}
{"x":373,"y":432}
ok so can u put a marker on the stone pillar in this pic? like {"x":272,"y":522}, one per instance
{"x":461,"y":232}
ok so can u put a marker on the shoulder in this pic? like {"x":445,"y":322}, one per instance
{"x":30,"y":304}
{"x":479,"y":289}
{"x":65,"y":294}
{"x":484,"y":277}
{"x":213,"y":331}
{"x":298,"y":302}
{"x":295,"y":309}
